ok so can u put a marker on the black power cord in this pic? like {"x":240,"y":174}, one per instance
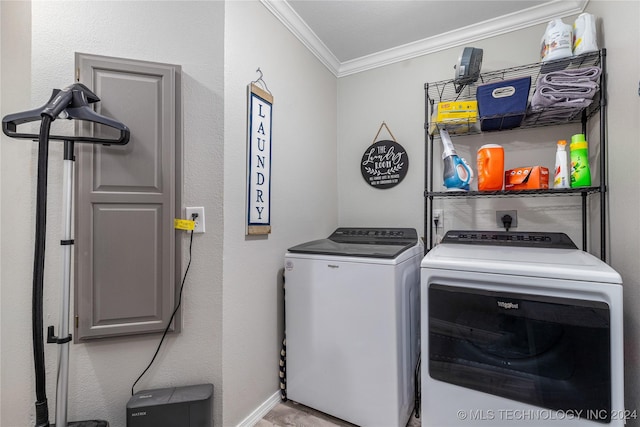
{"x":173,"y":315}
{"x":283,"y":350}
{"x":506,"y":221}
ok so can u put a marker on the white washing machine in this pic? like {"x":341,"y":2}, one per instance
{"x":520,"y":329}
{"x":352,"y":305}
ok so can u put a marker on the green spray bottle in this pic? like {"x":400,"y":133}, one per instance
{"x":580,"y":172}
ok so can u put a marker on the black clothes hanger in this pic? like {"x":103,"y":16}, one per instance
{"x":74,"y":102}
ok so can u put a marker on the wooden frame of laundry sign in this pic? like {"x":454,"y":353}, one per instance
{"x":259,"y":108}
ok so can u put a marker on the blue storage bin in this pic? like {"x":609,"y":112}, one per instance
{"x":503,"y":104}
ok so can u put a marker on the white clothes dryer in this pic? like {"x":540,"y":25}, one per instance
{"x":520,"y":329}
{"x":352,"y":304}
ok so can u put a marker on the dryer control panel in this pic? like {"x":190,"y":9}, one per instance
{"x":508,"y":238}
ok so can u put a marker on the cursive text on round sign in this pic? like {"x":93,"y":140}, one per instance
{"x":384,"y":164}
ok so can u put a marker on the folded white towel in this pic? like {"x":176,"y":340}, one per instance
{"x":567,"y":92}
{"x":566,"y":88}
{"x":572,"y":77}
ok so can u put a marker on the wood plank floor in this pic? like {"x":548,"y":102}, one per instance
{"x":294,"y":414}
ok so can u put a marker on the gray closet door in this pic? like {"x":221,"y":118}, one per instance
{"x":127,"y":257}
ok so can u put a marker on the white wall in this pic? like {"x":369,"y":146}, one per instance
{"x":15,"y":76}
{"x":0,"y":207}
{"x":303,"y":188}
{"x":395,"y":94}
{"x":622,"y":39}
{"x":102,"y":372}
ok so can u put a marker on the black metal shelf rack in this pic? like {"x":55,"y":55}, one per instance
{"x":447,"y":91}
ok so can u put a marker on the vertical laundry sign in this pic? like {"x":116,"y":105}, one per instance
{"x":259,"y":160}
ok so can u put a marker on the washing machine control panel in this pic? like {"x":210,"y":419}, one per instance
{"x":508,"y":238}
{"x":374,"y":235}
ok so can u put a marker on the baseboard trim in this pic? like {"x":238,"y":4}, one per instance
{"x":262,"y":410}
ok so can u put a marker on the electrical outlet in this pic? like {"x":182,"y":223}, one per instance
{"x":199,"y":220}
{"x":501,"y":214}
{"x":438,"y":214}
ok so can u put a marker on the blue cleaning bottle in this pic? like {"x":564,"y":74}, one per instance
{"x":457,"y":173}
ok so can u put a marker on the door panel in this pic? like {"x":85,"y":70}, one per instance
{"x":127,"y":257}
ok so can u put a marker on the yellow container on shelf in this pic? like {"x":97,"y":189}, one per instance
{"x":455,"y":116}
{"x":457,"y":111}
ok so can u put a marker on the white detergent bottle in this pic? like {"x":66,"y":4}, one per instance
{"x":557,"y":41}
{"x":561,"y":176}
{"x":584,"y":34}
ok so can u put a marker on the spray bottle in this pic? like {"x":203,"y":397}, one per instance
{"x":561,"y":177}
{"x":456,"y":171}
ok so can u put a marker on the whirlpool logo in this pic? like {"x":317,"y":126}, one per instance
{"x":508,"y":305}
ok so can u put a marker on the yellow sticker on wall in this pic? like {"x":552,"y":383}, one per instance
{"x":183,"y":224}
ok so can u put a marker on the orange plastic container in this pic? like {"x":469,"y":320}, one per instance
{"x":490,"y":167}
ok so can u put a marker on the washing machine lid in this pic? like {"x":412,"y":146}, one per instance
{"x":362,"y":242}
{"x":547,"y":255}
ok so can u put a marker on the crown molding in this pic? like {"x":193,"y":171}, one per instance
{"x":465,"y":35}
{"x":294,"y":23}
{"x":461,"y":36}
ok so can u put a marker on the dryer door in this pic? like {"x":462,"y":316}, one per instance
{"x":546,"y":351}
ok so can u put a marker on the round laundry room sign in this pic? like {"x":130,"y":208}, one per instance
{"x":384,"y":164}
